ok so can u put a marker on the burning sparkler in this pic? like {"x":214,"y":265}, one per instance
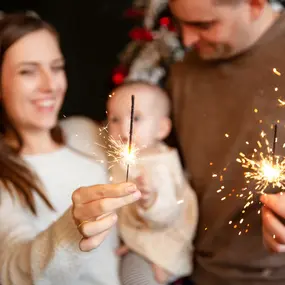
{"x":264,"y":170}
{"x":130,"y":135}
{"x":117,"y":151}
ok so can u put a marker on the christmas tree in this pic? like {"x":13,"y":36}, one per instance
{"x":153,"y":47}
{"x":155,"y":43}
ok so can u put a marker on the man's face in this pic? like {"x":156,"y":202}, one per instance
{"x":216,"y":30}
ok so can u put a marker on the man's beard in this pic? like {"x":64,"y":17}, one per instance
{"x":218,"y":51}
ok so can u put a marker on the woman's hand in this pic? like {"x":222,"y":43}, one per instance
{"x":273,"y":228}
{"x":94,"y":210}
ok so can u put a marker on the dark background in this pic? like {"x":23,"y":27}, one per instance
{"x":92,"y":35}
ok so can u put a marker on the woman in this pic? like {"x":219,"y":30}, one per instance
{"x":43,"y":238}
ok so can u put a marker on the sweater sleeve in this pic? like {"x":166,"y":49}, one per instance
{"x":51,"y":257}
{"x":166,"y":208}
{"x":83,"y":134}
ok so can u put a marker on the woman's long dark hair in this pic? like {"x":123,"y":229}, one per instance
{"x":15,"y":175}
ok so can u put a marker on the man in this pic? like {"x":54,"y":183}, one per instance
{"x":225,"y":93}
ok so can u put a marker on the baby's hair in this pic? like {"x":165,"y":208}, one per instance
{"x":161,"y":95}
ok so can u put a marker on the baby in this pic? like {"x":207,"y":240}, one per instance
{"x":158,"y":230}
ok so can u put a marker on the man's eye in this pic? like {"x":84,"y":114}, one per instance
{"x":205,"y":26}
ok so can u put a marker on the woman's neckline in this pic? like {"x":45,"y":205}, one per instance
{"x":57,"y":151}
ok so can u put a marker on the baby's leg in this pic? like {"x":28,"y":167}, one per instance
{"x":135,"y":270}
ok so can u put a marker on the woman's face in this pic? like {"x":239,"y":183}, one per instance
{"x":33,"y":82}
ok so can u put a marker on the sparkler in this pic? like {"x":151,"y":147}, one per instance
{"x":263,"y":170}
{"x":130,"y":135}
{"x":117,"y":150}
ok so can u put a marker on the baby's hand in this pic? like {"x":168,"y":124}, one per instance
{"x":161,"y":276}
{"x":148,"y":195}
{"x":122,"y":250}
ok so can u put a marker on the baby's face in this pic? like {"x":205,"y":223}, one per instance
{"x":146,"y":119}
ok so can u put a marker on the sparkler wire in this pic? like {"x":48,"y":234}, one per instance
{"x":131,"y":134}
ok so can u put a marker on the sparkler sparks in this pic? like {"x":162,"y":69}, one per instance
{"x":276,"y":72}
{"x":263,"y":171}
{"x":116,"y":150}
{"x":119,"y":152}
{"x":281,"y":102}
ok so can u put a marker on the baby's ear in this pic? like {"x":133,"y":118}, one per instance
{"x":165,"y":126}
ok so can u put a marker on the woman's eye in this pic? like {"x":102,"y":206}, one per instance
{"x":27,"y":72}
{"x":58,"y":68}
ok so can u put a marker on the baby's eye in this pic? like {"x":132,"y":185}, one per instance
{"x":137,"y":118}
{"x":114,"y":120}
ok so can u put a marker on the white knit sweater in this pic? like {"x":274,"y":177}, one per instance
{"x":43,"y":249}
{"x":163,"y":233}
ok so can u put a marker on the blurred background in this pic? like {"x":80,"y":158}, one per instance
{"x":104,"y":42}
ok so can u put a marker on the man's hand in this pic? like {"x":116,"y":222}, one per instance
{"x":273,"y":228}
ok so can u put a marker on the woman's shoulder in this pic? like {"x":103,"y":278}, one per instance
{"x":83,"y":134}
{"x":79,"y":125}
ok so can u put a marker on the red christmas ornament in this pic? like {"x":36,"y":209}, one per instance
{"x":119,"y":74}
{"x":164,"y":21}
{"x":118,"y":78}
{"x":148,"y":36}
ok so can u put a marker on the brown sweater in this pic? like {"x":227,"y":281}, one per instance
{"x":212,"y":99}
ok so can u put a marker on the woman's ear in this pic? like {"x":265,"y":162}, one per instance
{"x":165,"y":126}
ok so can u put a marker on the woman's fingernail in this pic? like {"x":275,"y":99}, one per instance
{"x":131,"y":188}
{"x":137,"y":195}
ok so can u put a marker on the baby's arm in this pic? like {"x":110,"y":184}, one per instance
{"x":159,"y":206}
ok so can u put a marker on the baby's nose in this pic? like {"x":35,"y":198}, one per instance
{"x":124,"y":139}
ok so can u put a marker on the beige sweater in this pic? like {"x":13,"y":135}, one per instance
{"x":163,"y":233}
